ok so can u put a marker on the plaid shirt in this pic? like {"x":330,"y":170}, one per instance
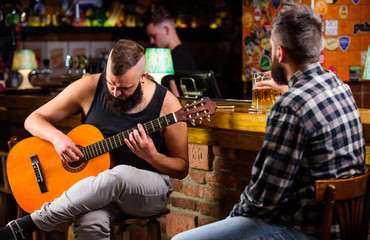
{"x":313,"y":131}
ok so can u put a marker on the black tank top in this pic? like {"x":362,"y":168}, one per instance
{"x":111,"y":123}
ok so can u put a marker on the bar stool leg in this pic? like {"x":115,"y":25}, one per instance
{"x":153,"y":229}
{"x":120,"y":233}
{"x":125,"y":234}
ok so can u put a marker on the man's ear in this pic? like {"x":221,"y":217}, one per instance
{"x":145,"y":75}
{"x":281,"y":54}
{"x":166,"y":29}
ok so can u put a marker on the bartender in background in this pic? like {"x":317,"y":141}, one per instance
{"x":162,"y":33}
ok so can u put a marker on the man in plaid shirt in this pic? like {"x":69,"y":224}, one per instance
{"x":313,"y":132}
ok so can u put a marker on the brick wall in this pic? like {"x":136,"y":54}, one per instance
{"x":216,"y":178}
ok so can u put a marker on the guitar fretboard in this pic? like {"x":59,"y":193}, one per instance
{"x":116,"y":141}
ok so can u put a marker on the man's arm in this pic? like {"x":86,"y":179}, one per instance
{"x":275,"y":167}
{"x":175,"y":164}
{"x":272,"y":84}
{"x":75,"y":98}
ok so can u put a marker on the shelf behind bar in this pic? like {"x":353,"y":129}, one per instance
{"x":135,"y":33}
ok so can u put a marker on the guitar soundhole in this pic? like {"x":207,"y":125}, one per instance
{"x":75,"y":167}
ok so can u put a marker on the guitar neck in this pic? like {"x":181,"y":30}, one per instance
{"x":116,"y":141}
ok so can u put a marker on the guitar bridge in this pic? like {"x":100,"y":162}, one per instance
{"x":38,"y":173}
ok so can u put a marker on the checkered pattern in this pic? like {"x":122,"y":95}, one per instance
{"x":313,"y":132}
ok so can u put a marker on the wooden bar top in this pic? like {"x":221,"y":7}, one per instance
{"x":234,"y":126}
{"x":231,"y":125}
{"x":235,"y":116}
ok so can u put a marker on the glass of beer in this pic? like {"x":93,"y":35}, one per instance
{"x":262,"y":97}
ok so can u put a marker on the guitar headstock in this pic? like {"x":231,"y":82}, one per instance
{"x":197,"y":110}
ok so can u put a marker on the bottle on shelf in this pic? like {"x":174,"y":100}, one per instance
{"x":37,"y":16}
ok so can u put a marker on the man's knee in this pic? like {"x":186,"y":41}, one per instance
{"x":95,"y":223}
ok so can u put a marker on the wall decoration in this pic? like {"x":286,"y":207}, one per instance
{"x":56,"y":52}
{"x":331,"y":1}
{"x":247,"y":20}
{"x":257,"y":14}
{"x":343,"y":12}
{"x":322,"y":58}
{"x":367,"y":65}
{"x":253,"y":54}
{"x":247,"y":73}
{"x":365,"y":27}
{"x":321,"y":7}
{"x":276,"y":4}
{"x":355,"y":73}
{"x":347,"y":35}
{"x":265,"y":63}
{"x":265,"y":43}
{"x":363,"y":57}
{"x":331,"y":44}
{"x":288,"y":3}
{"x":344,"y":42}
{"x":333,"y":70}
{"x":79,"y":48}
{"x":331,"y":27}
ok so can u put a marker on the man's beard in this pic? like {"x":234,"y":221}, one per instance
{"x":277,"y":72}
{"x":120,"y":105}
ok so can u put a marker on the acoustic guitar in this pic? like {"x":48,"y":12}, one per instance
{"x":37,"y":174}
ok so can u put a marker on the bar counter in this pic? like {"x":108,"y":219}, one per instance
{"x":221,"y":156}
{"x":231,"y":126}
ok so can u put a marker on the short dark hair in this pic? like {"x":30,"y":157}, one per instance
{"x":125,"y":54}
{"x":298,"y":30}
{"x":160,"y":15}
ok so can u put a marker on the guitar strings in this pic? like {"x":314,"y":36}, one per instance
{"x":98,"y":148}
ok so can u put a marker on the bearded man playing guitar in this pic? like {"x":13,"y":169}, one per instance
{"x":139,"y":184}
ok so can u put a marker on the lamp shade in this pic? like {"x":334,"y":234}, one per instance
{"x":158,"y":63}
{"x":24,"y":59}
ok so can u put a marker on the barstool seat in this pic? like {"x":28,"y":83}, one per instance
{"x":120,"y":231}
{"x":119,"y":227}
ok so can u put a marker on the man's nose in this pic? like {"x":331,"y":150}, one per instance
{"x":116,"y":92}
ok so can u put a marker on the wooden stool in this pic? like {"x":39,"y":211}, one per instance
{"x":119,"y":227}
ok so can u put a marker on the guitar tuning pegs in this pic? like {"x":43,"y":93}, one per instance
{"x":208,"y":118}
{"x":187,"y":109}
{"x":200,"y":120}
{"x":192,"y":122}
